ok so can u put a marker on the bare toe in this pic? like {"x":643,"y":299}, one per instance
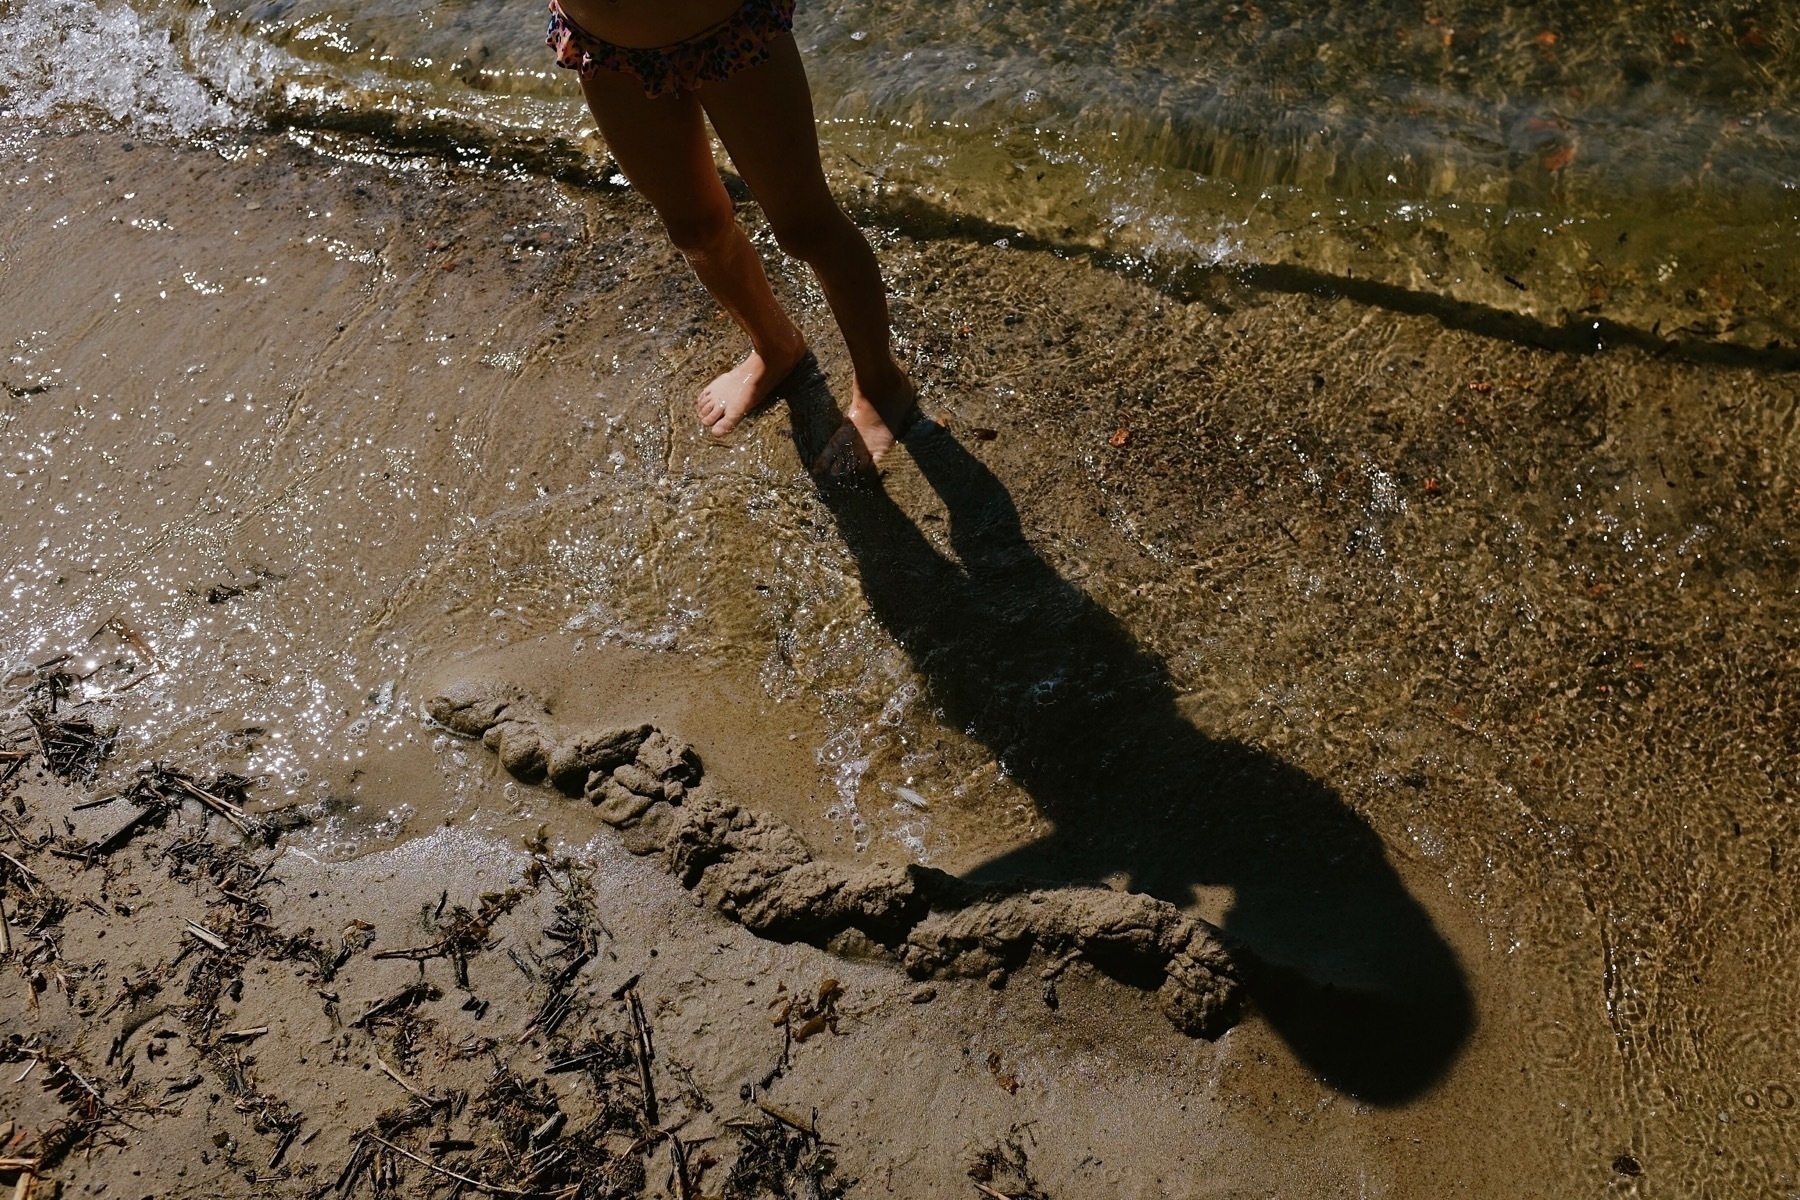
{"x":727,"y":400}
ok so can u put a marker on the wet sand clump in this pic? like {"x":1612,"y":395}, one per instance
{"x":760,"y":872}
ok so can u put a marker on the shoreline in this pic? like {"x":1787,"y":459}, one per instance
{"x":1376,"y":558}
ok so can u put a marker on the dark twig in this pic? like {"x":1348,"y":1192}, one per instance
{"x":493,"y":1189}
{"x":684,"y":1185}
{"x":646,"y":1052}
{"x":417,"y":994}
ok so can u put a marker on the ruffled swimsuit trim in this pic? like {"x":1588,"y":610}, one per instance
{"x":710,"y":56}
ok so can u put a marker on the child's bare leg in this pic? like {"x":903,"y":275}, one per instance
{"x":764,"y":116}
{"x":662,"y":147}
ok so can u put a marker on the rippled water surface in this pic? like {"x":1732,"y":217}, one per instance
{"x":1619,"y":170}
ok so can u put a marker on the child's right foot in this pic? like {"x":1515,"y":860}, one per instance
{"x":745,"y":388}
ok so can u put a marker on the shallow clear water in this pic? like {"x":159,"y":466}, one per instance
{"x":1624,"y":170}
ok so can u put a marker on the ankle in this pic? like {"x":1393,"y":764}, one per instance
{"x":789,"y":347}
{"x":886,"y":386}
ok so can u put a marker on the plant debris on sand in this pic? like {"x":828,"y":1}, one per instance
{"x":1002,"y":1171}
{"x":146,"y":1000}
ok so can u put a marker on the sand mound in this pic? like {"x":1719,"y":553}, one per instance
{"x":760,"y":873}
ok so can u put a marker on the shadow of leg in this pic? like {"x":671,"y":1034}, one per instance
{"x":1347,"y":966}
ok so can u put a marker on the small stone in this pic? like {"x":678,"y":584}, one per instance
{"x":923,"y":994}
{"x":996,"y":978}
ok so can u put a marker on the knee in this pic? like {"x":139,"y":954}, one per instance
{"x":814,"y":235}
{"x":702,"y":233}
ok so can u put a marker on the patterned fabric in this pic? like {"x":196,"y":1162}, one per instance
{"x":710,"y":56}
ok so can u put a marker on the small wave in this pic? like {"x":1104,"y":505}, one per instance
{"x":1592,"y":232}
{"x":159,"y":74}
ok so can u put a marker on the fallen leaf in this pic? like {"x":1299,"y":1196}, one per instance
{"x":1008,"y":1080}
{"x":1120,"y":436}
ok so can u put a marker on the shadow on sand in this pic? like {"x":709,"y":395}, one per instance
{"x":1343,"y":961}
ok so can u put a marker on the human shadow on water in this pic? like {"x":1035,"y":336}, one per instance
{"x":1343,"y":961}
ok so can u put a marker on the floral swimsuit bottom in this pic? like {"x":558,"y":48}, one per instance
{"x":710,"y":56}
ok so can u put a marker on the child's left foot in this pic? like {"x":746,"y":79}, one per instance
{"x":745,"y":388}
{"x":870,"y":429}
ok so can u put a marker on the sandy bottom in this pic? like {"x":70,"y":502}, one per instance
{"x":1453,"y":681}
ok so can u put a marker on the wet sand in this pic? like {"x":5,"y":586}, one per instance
{"x":1451,"y":678}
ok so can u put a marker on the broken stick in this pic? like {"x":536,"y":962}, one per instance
{"x":640,"y":1025}
{"x":492,"y":1189}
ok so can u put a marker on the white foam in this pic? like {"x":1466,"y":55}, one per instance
{"x":163,"y":73}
